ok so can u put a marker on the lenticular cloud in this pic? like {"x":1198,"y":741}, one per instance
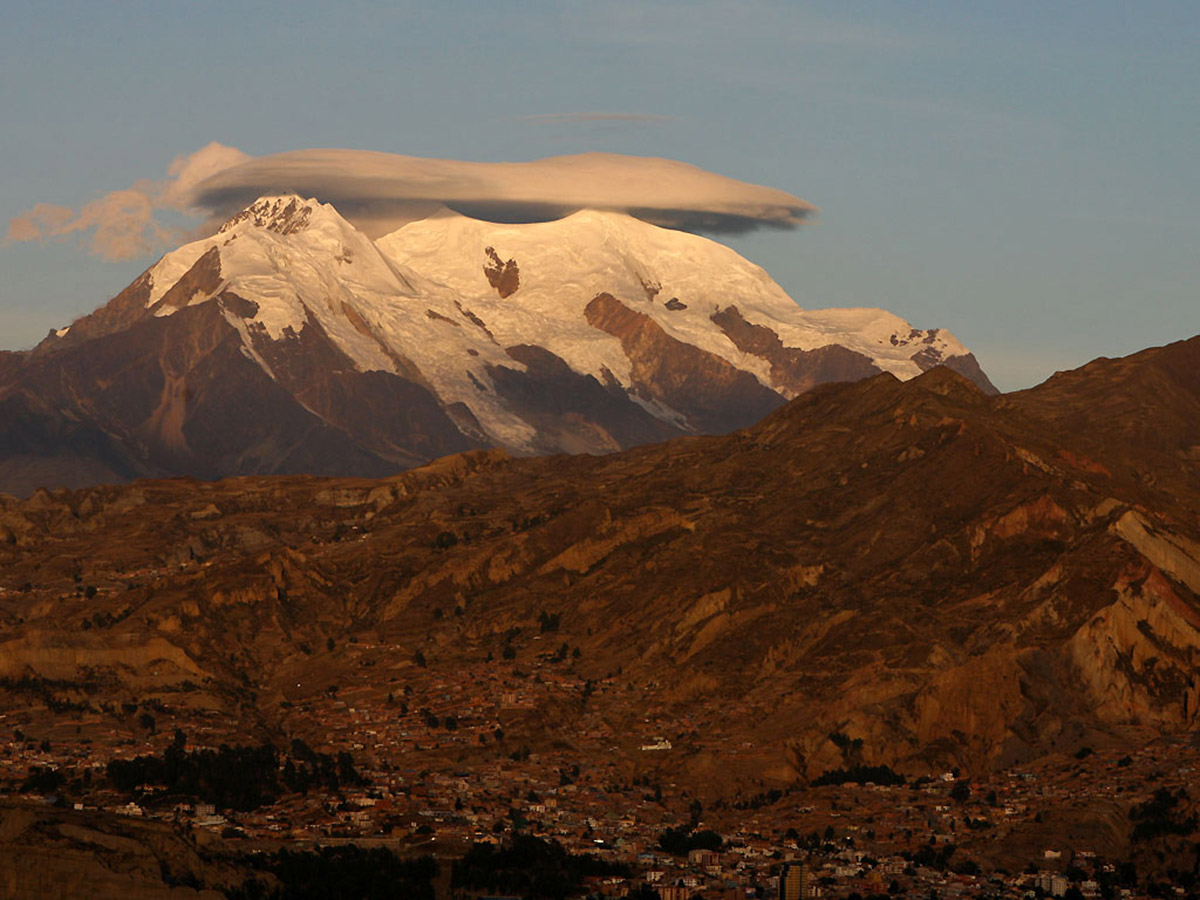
{"x":379,"y":192}
{"x":383,"y":190}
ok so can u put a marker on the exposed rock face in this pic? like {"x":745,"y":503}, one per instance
{"x":119,"y":313}
{"x":713,"y":395}
{"x":965,"y":365}
{"x":503,"y":275}
{"x":202,"y":279}
{"x":318,"y":349}
{"x":574,"y":412}
{"x":181,"y":396}
{"x":798,"y":370}
{"x":282,"y":215}
{"x":934,"y":571}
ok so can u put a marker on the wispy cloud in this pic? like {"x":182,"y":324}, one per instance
{"x":122,"y":224}
{"x":569,"y":117}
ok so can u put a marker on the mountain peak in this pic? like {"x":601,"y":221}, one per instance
{"x":283,"y":214}
{"x":589,"y":333}
{"x":947,"y":382}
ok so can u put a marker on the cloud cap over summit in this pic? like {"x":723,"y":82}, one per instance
{"x":381,"y":191}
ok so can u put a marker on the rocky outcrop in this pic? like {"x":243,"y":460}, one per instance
{"x":572,"y":412}
{"x":122,"y":311}
{"x":965,"y":365}
{"x":712,"y":394}
{"x":796,"y":370}
{"x":502,"y":274}
{"x":201,"y":280}
{"x":281,"y":215}
{"x":1174,"y":554}
{"x":1138,"y":656}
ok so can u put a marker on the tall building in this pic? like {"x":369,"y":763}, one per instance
{"x":1052,"y":883}
{"x":795,"y":881}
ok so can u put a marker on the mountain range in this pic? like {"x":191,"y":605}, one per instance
{"x":914,"y":569}
{"x":290,"y":342}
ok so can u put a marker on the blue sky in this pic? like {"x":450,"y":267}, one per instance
{"x":1024,"y":174}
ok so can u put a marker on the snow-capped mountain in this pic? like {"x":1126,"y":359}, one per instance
{"x":290,"y":341}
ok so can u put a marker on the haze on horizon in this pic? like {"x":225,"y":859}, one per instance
{"x":1022,"y":176}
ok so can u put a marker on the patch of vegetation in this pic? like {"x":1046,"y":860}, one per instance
{"x":860,"y":775}
{"x":844,"y":742}
{"x":528,"y":866}
{"x":961,"y":792}
{"x":306,"y":769}
{"x":42,"y":780}
{"x":681,"y":840}
{"x":526,"y":522}
{"x":238,"y":778}
{"x":766,"y":798}
{"x":334,"y":873}
{"x":965,"y":867}
{"x":932,"y":857}
{"x":50,"y":691}
{"x":105,"y":619}
{"x":1161,"y":815}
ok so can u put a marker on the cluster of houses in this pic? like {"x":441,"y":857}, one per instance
{"x":443,"y":765}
